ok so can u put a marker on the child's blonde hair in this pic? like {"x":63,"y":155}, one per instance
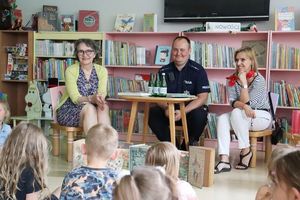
{"x":164,"y":154}
{"x":26,"y":147}
{"x":5,"y":106}
{"x":101,"y":141}
{"x":146,"y":183}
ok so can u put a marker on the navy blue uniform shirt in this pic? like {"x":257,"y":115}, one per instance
{"x":192,"y":78}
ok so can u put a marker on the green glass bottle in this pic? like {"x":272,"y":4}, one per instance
{"x":151,"y":84}
{"x":156,"y":86}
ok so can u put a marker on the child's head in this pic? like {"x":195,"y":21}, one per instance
{"x":286,"y":176}
{"x":4,"y":112}
{"x":276,"y":154}
{"x":101,"y":141}
{"x":146,"y":183}
{"x":26,"y":146}
{"x":164,"y":154}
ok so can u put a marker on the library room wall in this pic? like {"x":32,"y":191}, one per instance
{"x":109,"y":9}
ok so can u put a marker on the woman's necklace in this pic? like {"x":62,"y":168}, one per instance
{"x":87,"y":79}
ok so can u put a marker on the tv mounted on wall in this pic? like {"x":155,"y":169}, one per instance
{"x":216,"y":10}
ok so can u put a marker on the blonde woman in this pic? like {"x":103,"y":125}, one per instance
{"x":247,"y":93}
{"x":166,"y":155}
{"x":147,"y":183}
{"x":23,"y":164}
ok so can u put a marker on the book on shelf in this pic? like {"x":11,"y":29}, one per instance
{"x":67,"y":23}
{"x":88,"y":21}
{"x":260,"y":49}
{"x":285,"y":18}
{"x":47,"y":21}
{"x":150,"y":22}
{"x":124,"y":22}
{"x":140,"y":55}
{"x":162,"y":55}
{"x":201,"y":166}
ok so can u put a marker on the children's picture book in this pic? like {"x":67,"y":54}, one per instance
{"x":150,"y":22}
{"x":48,"y":21}
{"x":260,"y":48}
{"x":201,"y":166}
{"x":124,"y":22}
{"x":162,"y":55}
{"x":183,"y":165}
{"x":137,"y":155}
{"x":67,"y":23}
{"x":88,"y":21}
{"x":285,"y":18}
{"x":79,"y":159}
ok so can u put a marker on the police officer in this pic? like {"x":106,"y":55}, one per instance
{"x":183,"y":76}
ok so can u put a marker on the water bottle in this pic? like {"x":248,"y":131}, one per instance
{"x":163,"y":86}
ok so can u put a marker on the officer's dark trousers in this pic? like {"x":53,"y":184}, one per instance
{"x":196,"y":121}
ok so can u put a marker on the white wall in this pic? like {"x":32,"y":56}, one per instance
{"x":109,"y":8}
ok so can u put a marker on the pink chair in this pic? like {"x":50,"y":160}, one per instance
{"x":71,"y":132}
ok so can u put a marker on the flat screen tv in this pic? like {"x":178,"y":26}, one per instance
{"x":216,"y":10}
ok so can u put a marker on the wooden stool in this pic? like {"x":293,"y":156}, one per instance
{"x":294,"y":139}
{"x":71,"y":133}
{"x":253,"y":144}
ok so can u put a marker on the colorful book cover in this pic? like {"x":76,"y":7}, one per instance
{"x":162,"y":55}
{"x":183,"y":165}
{"x":260,"y":49}
{"x":150,"y":22}
{"x":79,"y":158}
{"x":285,"y":19}
{"x":88,"y":21}
{"x":201,"y":166}
{"x":137,"y":155}
{"x":67,"y":23}
{"x":48,"y":21}
{"x":124,"y":22}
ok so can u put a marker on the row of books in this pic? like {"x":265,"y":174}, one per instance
{"x":212,"y":55}
{"x":52,"y":68}
{"x":218,"y":93}
{"x":196,"y":166}
{"x":285,"y":57}
{"x":53,"y":48}
{"x":118,"y":84}
{"x":289,"y":94}
{"x":212,"y":126}
{"x":123,"y":53}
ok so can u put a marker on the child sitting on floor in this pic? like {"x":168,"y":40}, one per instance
{"x":94,"y":181}
{"x":166,"y":155}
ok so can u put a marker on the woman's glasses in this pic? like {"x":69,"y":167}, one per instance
{"x":88,"y":52}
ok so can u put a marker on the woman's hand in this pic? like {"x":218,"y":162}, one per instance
{"x":248,"y":111}
{"x":242,"y":77}
{"x":100,"y":101}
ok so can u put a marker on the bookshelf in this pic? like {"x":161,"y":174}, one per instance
{"x":16,"y":89}
{"x":284,"y":62}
